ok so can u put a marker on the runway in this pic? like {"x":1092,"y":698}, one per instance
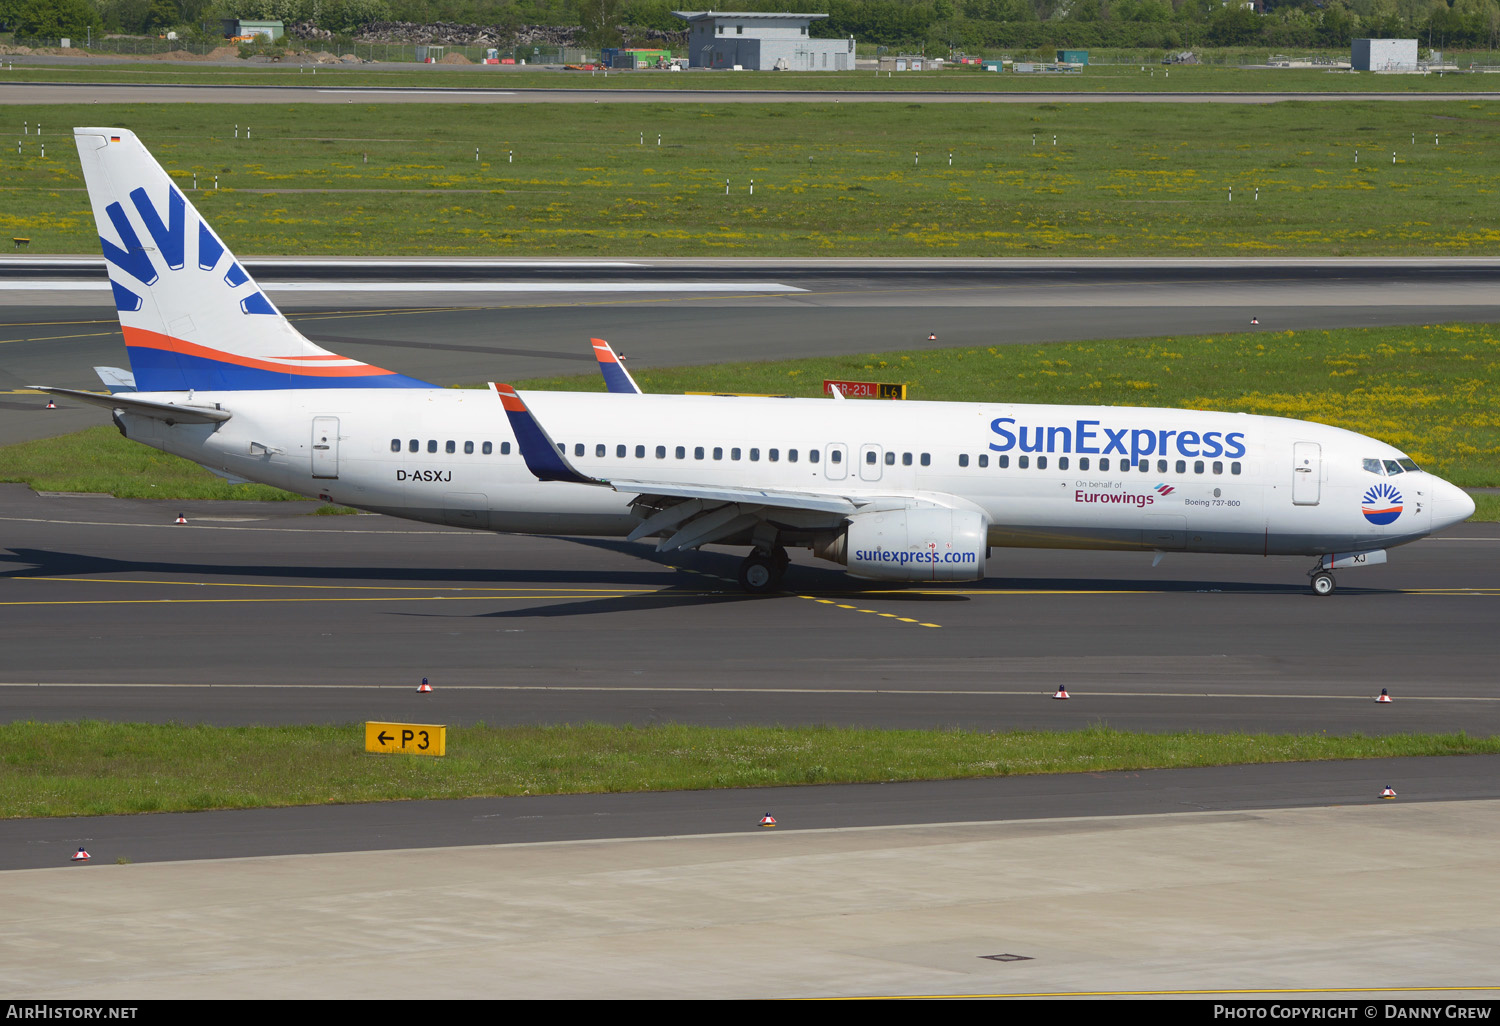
{"x":114,"y":92}
{"x":113,"y":611}
{"x":810,"y":308}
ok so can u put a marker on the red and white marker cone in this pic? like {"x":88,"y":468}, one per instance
{"x":1255,"y":320}
{"x":1061,"y":693}
{"x":51,"y":405}
{"x":1384,"y":696}
{"x":768,"y":820}
{"x":82,"y":856}
{"x":1388,"y":793}
{"x":425,"y":689}
{"x":180,"y":519}
{"x":932,"y":336}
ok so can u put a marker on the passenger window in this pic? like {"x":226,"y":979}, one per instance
{"x":1218,"y":467}
{"x":1392,"y":467}
{"x":1124,"y":466}
{"x":1161,"y":466}
{"x":906,"y":459}
{"x":1083,"y":463}
{"x":835,"y":455}
{"x":620,"y":452}
{"x":1103,"y":462}
{"x":773,"y":455}
{"x":1062,"y":463}
{"x":890,"y":459}
{"x":697,"y":452}
{"x":432,"y":445}
{"x":395,"y":445}
{"x":963,"y":459}
{"x":577,"y":448}
{"x":1003,"y":462}
{"x":468,"y":448}
{"x":681,"y":452}
{"x":754,"y":455}
{"x":791,"y":455}
{"x":489,"y":447}
{"x":1023,"y":462}
{"x":927,"y":459}
{"x":1234,"y":468}
{"x":1041,"y":463}
{"x":1182,"y":466}
{"x":1374,"y":467}
{"x":640,"y":452}
{"x":661,"y":452}
{"x":871,"y":458}
{"x":812,"y":455}
{"x":599,"y":450}
{"x":449,"y":447}
{"x":413,"y":445}
{"x":984,"y":460}
{"x":734,"y":453}
{"x":562,"y":448}
{"x":718,"y":452}
{"x":1197,"y":466}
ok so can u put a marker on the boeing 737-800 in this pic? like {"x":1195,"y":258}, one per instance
{"x":894,"y":491}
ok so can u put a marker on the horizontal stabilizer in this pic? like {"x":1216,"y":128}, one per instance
{"x":172,"y":413}
{"x":116,"y":379}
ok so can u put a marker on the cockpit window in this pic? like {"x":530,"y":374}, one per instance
{"x":1409,"y":464}
{"x":1393,"y":468}
{"x":1374,"y":467}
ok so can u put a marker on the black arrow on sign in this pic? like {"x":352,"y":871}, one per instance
{"x":381,"y":737}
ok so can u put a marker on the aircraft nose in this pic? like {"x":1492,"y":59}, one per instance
{"x":1451,"y":505}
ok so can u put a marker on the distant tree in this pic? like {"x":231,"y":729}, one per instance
{"x":53,"y":19}
{"x":600,"y":20}
{"x":163,"y":14}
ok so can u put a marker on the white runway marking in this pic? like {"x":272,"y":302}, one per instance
{"x":446,"y":286}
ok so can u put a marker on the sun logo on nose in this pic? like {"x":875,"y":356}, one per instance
{"x":1381,"y":504}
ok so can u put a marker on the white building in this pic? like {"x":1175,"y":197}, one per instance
{"x":1384,"y":55}
{"x":762,"y":42}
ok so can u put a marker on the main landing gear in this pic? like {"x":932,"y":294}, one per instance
{"x":1322,"y":582}
{"x":762,"y":570}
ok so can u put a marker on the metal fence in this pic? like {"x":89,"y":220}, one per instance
{"x":387,"y":53}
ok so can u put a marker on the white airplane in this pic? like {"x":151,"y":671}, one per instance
{"x":896,"y":491}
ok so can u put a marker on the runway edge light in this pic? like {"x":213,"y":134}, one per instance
{"x":82,"y":856}
{"x":425,"y":688}
{"x":768,"y":820}
{"x":1388,"y":793}
{"x":1384,"y":696}
{"x":1062,"y":692}
{"x":180,"y":519}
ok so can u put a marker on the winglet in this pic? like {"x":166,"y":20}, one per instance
{"x":616,"y":377}
{"x":543,"y":456}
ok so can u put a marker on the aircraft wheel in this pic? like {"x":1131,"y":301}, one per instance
{"x":1322,"y":584}
{"x":761,"y":573}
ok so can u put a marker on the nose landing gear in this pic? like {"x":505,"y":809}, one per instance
{"x":1322,"y":582}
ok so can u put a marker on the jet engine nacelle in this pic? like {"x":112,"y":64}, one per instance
{"x":912,"y":545}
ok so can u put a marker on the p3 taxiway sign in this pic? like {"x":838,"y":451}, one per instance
{"x":406,"y":738}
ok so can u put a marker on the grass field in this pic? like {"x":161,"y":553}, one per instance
{"x":1428,"y":390}
{"x":829,"y":179}
{"x":1145,"y":76}
{"x":92,"y":768}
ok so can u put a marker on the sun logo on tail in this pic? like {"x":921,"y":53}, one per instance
{"x":1381,"y":504}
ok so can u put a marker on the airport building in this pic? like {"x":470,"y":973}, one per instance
{"x":762,"y":42}
{"x":1383,"y":54}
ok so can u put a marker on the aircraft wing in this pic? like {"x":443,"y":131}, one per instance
{"x":701,"y":513}
{"x":172,"y":413}
{"x":616,"y":377}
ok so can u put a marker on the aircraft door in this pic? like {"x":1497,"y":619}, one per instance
{"x":1307,"y":473}
{"x":869,"y":462}
{"x":325,"y":447}
{"x":836,"y":461}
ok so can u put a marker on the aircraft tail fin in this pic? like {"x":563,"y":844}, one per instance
{"x":193,"y":318}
